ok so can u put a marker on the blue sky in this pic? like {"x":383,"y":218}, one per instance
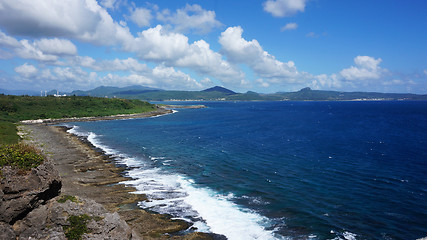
{"x":263,"y":45}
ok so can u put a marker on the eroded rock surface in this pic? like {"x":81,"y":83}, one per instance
{"x":21,"y":192}
{"x":50,"y":221}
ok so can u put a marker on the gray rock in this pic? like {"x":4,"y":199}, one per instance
{"x":6,"y":232}
{"x":21,"y":192}
{"x":47,"y":221}
{"x":29,"y":208}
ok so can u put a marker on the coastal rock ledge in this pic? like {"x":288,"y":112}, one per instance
{"x":31,"y":208}
{"x":22,"y":191}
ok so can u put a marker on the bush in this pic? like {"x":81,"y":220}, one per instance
{"x":21,"y":156}
{"x":78,"y":227}
{"x":64,"y":198}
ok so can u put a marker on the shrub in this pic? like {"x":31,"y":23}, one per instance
{"x":64,"y":198}
{"x":21,"y":156}
{"x":77,"y":227}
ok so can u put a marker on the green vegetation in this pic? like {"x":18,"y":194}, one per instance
{"x":8,"y":133}
{"x":103,"y":91}
{"x":65,"y":198}
{"x":20,"y":155}
{"x":16,"y":108}
{"x":78,"y":226}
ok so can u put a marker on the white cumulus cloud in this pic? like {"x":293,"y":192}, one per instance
{"x":159,"y":77}
{"x":29,"y":50}
{"x":204,"y":60}
{"x":133,"y":72}
{"x":109,"y":3}
{"x":289,"y":26}
{"x":366,"y":67}
{"x":48,"y":50}
{"x":366,"y":72}
{"x":191,"y":17}
{"x":56,"y":46}
{"x":173,"y":49}
{"x":26,"y":70}
{"x":284,"y":8}
{"x":8,"y":41}
{"x":79,"y":19}
{"x":265,"y":65}
{"x":172,"y":79}
{"x":119,"y":80}
{"x":324,"y":81}
{"x":141,"y":16}
{"x":129,"y":64}
{"x":156,"y":44}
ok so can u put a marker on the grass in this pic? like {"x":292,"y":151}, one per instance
{"x":21,"y":156}
{"x":17,"y":108}
{"x":8,"y":133}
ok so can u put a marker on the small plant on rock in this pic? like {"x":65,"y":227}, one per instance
{"x":77,"y":227}
{"x":64,"y":198}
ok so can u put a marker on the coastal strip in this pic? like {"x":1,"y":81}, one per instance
{"x":184,"y":106}
{"x":159,"y":111}
{"x":87,"y":172}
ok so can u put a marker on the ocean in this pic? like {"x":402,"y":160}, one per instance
{"x":279,"y":170}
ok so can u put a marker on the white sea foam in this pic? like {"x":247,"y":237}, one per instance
{"x":177,"y":195}
{"x":75,"y":130}
{"x":93,"y":138}
{"x":255,"y":200}
{"x":349,"y":236}
{"x":223,"y":216}
{"x":156,"y":116}
{"x":344,"y":236}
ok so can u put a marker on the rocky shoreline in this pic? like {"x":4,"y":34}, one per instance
{"x":91,"y":176}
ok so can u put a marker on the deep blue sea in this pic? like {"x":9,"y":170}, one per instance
{"x":280,"y":170}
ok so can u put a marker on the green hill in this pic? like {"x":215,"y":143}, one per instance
{"x":307,"y":94}
{"x":17,"y":108}
{"x":219,"y":89}
{"x":104,"y":91}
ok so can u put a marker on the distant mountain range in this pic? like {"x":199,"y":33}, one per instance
{"x":113,"y":91}
{"x":223,"y":94}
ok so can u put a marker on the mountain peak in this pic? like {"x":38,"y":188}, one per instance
{"x":307,"y":89}
{"x":219,"y":89}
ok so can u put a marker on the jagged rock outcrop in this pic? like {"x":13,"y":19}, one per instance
{"x":51,"y":220}
{"x":21,"y":192}
{"x":31,"y":208}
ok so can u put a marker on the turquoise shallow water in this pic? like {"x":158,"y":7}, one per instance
{"x":274,"y":170}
